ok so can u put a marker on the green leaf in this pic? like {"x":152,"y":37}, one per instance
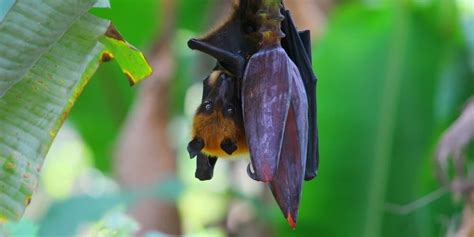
{"x":58,"y":221}
{"x":24,"y":228}
{"x":116,"y":223}
{"x":130,"y":59}
{"x":5,"y":5}
{"x":28,"y":32}
{"x":42,"y":74}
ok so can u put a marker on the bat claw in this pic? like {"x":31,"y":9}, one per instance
{"x":228,"y":146}
{"x":195,"y":146}
{"x":251,"y":173}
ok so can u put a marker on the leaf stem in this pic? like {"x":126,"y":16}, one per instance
{"x":269,"y":19}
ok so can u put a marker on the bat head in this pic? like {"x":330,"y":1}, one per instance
{"x":218,"y":123}
{"x":220,"y":95}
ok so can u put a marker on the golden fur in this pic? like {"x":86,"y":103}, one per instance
{"x":214,"y":128}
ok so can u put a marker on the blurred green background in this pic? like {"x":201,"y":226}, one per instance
{"x":393,"y":75}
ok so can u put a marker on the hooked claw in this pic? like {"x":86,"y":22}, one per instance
{"x":251,"y":173}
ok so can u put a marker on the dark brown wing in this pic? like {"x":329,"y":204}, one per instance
{"x":233,"y":42}
{"x":298,"y":47}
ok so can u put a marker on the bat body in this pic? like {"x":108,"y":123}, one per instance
{"x":218,"y":129}
{"x":265,"y":75}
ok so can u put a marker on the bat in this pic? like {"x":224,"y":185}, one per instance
{"x":218,"y":129}
{"x":231,"y":44}
{"x":268,"y":62}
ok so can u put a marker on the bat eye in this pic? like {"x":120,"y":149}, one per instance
{"x":229,"y":110}
{"x":207,"y":105}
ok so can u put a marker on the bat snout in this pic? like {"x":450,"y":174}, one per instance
{"x":228,"y":146}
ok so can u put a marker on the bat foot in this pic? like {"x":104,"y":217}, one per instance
{"x":228,"y":146}
{"x":205,"y":167}
{"x":195,"y":146}
{"x":251,"y":173}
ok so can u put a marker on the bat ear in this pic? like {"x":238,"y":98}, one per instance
{"x":231,"y":61}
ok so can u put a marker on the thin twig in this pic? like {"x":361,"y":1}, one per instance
{"x":417,"y":204}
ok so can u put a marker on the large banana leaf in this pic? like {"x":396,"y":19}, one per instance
{"x":48,"y":52}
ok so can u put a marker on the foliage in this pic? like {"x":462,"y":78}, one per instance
{"x":21,"y":229}
{"x":392,"y":77}
{"x":106,"y":100}
{"x":43,"y":72}
{"x":382,"y":73}
{"x":109,"y":102}
{"x":115,"y":224}
{"x":59,"y":221}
